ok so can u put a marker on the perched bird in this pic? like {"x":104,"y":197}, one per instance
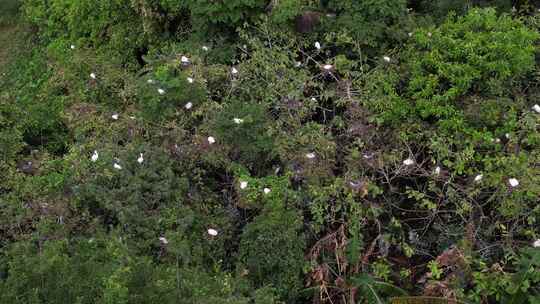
{"x":188,"y":105}
{"x":140,"y":160}
{"x":212,"y":232}
{"x":211,"y":140}
{"x":94,"y":156}
{"x":161,"y":91}
{"x":266,"y":190}
{"x":409,"y":162}
{"x":243,"y":184}
{"x":184,"y":60}
{"x":513,"y":182}
{"x":27,"y":167}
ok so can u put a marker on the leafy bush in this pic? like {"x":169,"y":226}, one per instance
{"x":217,"y":152}
{"x":271,"y":250}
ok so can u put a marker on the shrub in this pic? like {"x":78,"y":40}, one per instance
{"x":478,"y":53}
{"x":244,"y":126}
{"x":271,"y":250}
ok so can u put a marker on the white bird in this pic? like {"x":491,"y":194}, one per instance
{"x":114,"y":116}
{"x":205,"y":48}
{"x":234,"y":71}
{"x":188,"y":105}
{"x":95,"y":156}
{"x":150,"y":81}
{"x":536,"y":243}
{"x":211,"y":140}
{"x":317,"y":45}
{"x":163,"y":240}
{"x":243,"y":184}
{"x":161,"y":91}
{"x":367,"y":155}
{"x":266,"y":190}
{"x":140,"y":160}
{"x":429,"y":34}
{"x":92,"y":75}
{"x":313,"y":99}
{"x":536,"y":108}
{"x":310,"y":155}
{"x":190,"y":80}
{"x":386,"y":58}
{"x":513,"y":182}
{"x":408,"y":162}
{"x":72,"y":46}
{"x":184,"y":59}
{"x":212,"y":232}
{"x":438,"y":170}
{"x":328,"y":67}
{"x":410,"y":34}
{"x":117,"y":166}
{"x":507,"y":135}
{"x":478,"y":178}
{"x":298,"y":64}
{"x":238,"y":120}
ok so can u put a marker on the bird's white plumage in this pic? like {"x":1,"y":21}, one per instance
{"x":409,"y":162}
{"x":94,"y":156}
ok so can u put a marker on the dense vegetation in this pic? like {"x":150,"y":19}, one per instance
{"x":283,"y":151}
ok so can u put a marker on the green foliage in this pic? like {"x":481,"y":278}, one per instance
{"x":231,"y":13}
{"x":271,"y":250}
{"x":111,"y":24}
{"x":336,"y":164}
{"x":371,"y":23}
{"x":8,"y":10}
{"x":244,"y":126}
{"x":168,"y":90}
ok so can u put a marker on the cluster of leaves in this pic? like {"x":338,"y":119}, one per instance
{"x":215,"y":152}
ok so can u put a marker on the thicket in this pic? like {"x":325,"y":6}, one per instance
{"x":250,"y":151}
